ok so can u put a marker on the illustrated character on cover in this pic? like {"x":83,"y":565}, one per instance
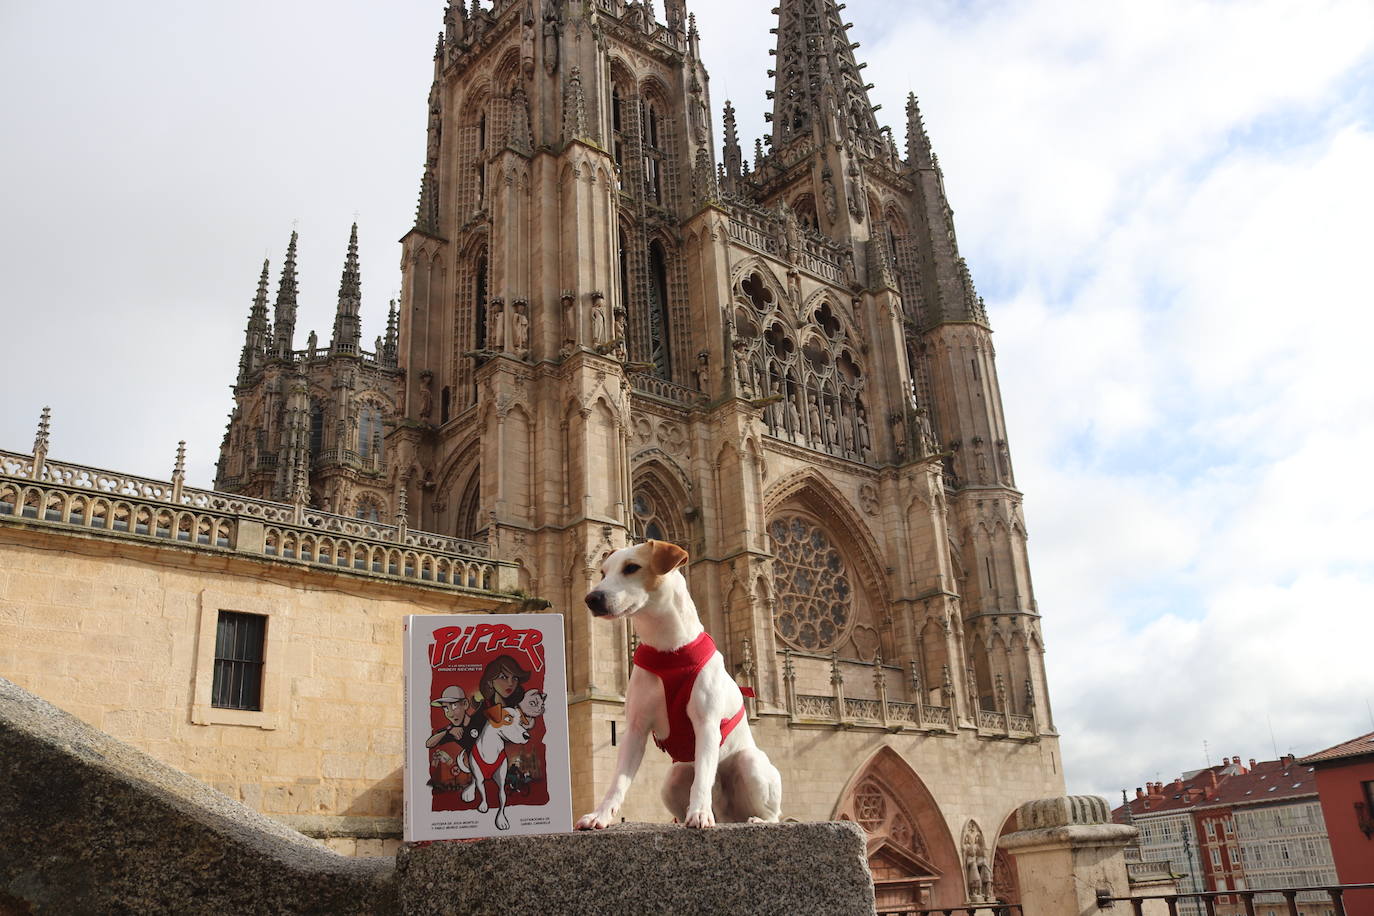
{"x":454,"y":740}
{"x":502,"y":726}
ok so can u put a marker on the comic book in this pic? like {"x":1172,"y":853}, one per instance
{"x":486,"y":726}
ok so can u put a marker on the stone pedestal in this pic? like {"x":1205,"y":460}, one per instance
{"x":1067,"y":850}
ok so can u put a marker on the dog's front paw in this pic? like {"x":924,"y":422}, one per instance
{"x":701,"y":817}
{"x":594,"y":821}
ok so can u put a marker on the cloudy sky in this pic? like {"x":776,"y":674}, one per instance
{"x":1167,"y":205}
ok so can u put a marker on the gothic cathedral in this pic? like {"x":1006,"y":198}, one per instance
{"x":608,"y":330}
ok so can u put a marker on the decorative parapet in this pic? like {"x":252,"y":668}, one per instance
{"x":1064,"y":811}
{"x":109,"y":504}
{"x":644,"y":383}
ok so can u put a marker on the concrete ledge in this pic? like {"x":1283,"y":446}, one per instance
{"x":88,"y":824}
{"x":759,"y":869}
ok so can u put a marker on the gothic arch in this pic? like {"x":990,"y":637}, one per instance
{"x":910,"y":849}
{"x":657,"y":502}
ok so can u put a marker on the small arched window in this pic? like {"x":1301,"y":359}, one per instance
{"x":370,"y":431}
{"x":658,"y":312}
{"x":316,"y":428}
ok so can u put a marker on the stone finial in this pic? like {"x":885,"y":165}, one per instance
{"x":179,"y":469}
{"x":574,"y":107}
{"x":918,"y":152}
{"x":40,"y":442}
{"x":836,"y":675}
{"x":733,"y":156}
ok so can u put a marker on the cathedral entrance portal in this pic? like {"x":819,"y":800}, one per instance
{"x":910,"y":850}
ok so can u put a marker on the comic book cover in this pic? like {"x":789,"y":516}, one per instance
{"x":486,"y":726}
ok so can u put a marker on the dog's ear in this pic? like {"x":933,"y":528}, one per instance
{"x":665,"y":557}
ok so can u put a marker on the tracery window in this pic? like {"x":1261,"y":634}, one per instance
{"x":370,"y":432}
{"x":661,"y":352}
{"x":651,"y":131}
{"x":814,"y":375}
{"x":647,"y":524}
{"x":815,"y":599}
{"x":316,"y":428}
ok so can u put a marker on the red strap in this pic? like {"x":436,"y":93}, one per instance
{"x":747,"y":691}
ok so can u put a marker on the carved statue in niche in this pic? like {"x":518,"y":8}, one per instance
{"x":976,"y":868}
{"x":496,"y":325}
{"x":791,"y":233}
{"x":569,"y":325}
{"x":828,"y":193}
{"x":426,"y":395}
{"x":621,"y":353}
{"x":527,"y":44}
{"x":813,"y":416}
{"x":598,"y":319}
{"x":1004,"y":459}
{"x":702,"y":371}
{"x":832,"y":432}
{"x":899,"y":435}
{"x":865,"y":436}
{"x":980,"y":463}
{"x":773,"y":412}
{"x":847,"y":431}
{"x":551,"y":29}
{"x":742,"y":370}
{"x":793,"y":417}
{"x":925,"y":436}
{"x":520,"y":329}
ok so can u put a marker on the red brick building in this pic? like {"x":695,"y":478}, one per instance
{"x":1345,"y":785}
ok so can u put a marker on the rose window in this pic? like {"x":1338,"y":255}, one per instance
{"x":812,"y":586}
{"x":870,"y":809}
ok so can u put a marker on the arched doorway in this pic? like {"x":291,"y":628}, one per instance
{"x":910,"y":850}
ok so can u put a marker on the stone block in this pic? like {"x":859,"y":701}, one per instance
{"x":760,"y":869}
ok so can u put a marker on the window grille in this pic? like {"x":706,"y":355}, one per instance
{"x":239,"y":643}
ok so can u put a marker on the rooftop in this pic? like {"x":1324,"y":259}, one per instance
{"x":1355,"y":747}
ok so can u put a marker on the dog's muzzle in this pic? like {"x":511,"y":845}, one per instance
{"x":596,"y":603}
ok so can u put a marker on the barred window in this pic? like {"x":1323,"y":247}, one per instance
{"x":815,"y":598}
{"x":239,"y":643}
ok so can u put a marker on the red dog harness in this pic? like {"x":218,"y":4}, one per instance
{"x":678,"y":671}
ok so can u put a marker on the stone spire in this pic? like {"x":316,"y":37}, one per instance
{"x":574,"y":107}
{"x":734,"y":158}
{"x":347,"y":324}
{"x":817,"y":76}
{"x":918,"y":153}
{"x":255,"y":337}
{"x":284,"y":311}
{"x":389,"y":345}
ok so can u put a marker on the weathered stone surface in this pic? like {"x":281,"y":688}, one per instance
{"x":760,"y":869}
{"x":90,"y":825}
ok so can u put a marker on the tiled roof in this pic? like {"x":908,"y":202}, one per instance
{"x":1355,"y":747}
{"x":1268,"y":781}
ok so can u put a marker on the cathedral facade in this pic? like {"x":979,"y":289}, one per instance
{"x":609,"y":329}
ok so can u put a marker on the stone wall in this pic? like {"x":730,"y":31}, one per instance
{"x":89,"y":824}
{"x":122,"y":636}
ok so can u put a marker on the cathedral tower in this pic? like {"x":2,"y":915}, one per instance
{"x":606,"y":332}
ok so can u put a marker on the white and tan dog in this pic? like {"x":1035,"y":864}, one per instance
{"x":680,"y":692}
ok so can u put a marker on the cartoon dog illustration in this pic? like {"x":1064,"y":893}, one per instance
{"x":488,"y":759}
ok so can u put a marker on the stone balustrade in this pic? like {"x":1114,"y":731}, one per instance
{"x":110,"y":504}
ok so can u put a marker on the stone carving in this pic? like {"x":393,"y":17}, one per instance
{"x":426,"y":395}
{"x":496,"y":325}
{"x":868,"y":499}
{"x":598,"y":319}
{"x":552,"y":17}
{"x":702,"y":372}
{"x":977,"y":869}
{"x":520,"y":328}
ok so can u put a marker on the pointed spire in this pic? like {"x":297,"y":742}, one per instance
{"x":817,"y":76}
{"x":40,"y":444}
{"x":388,"y":354}
{"x":284,"y":310}
{"x":347,"y":324}
{"x":734,"y":158}
{"x":520,"y":139}
{"x":427,"y":209}
{"x":918,"y":153}
{"x":255,"y":336}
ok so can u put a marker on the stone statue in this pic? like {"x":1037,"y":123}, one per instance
{"x":621,"y":350}
{"x":520,"y":331}
{"x":774,"y":411}
{"x":702,"y":371}
{"x":550,"y":36}
{"x":496,"y":326}
{"x":742,"y":372}
{"x":813,"y":415}
{"x":899,"y":435}
{"x":792,"y":416}
{"x":925,"y":436}
{"x":847,"y":432}
{"x":598,"y":320}
{"x":312,"y":343}
{"x":426,"y":395}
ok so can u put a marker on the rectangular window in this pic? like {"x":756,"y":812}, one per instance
{"x":1216,"y":858}
{"x":239,"y":642}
